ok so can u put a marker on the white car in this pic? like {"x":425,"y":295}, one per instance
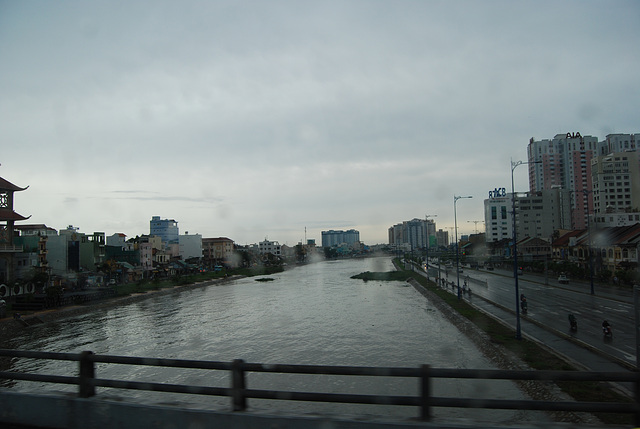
{"x":563,"y":279}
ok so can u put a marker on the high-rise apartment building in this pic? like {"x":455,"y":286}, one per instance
{"x":335,"y":238}
{"x":621,"y":143}
{"x":565,"y":162}
{"x":616,"y":182}
{"x":415,"y":233}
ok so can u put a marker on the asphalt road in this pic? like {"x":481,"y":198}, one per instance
{"x":547,"y":318}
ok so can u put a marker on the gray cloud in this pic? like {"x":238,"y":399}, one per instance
{"x":256,"y":119}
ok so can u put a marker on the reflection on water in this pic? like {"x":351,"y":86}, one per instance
{"x":313,"y":314}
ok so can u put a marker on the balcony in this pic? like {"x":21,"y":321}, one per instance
{"x":8,"y":248}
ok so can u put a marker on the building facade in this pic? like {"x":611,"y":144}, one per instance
{"x":442,"y":238}
{"x":218,"y":250}
{"x":539,"y":214}
{"x":414,"y":234}
{"x":272,"y":247}
{"x":616,"y":182}
{"x":334,"y":238}
{"x":565,"y":162}
{"x":190,"y":246}
{"x":166,"y":229}
{"x":497,"y":218}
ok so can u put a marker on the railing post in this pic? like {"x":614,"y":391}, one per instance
{"x":425,"y":392}
{"x":87,"y":373}
{"x":238,"y":384}
{"x":637,"y":398}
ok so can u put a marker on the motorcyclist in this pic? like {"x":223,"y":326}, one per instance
{"x":606,"y":328}
{"x":573,"y":321}
{"x":523,"y":303}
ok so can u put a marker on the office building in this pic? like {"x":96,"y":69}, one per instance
{"x":539,"y":214}
{"x":497,"y":218}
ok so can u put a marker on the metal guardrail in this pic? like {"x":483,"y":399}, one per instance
{"x":238,"y":392}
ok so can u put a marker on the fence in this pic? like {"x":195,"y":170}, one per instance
{"x":239,"y":393}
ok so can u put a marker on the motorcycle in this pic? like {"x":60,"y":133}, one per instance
{"x":523,"y":304}
{"x":573,"y":322}
{"x":606,"y":330}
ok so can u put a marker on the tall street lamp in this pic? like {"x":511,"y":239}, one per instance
{"x":515,"y":246}
{"x":455,"y":220}
{"x":426,"y":224}
{"x":586,"y":192}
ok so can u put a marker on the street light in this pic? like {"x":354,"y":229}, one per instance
{"x":426,"y":224}
{"x":455,"y":220}
{"x":515,"y":246}
{"x":589,"y":244}
{"x":587,"y":192}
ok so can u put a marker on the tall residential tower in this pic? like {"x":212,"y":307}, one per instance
{"x":565,"y":163}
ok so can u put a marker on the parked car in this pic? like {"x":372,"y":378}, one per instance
{"x":563,"y":279}
{"x":489,"y":267}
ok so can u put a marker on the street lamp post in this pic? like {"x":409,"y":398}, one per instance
{"x":586,"y":192}
{"x":590,"y":251}
{"x":589,"y":245}
{"x":455,"y":220}
{"x":426,"y":224}
{"x":515,"y":246}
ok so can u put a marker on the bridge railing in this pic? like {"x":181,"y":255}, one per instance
{"x":239,"y":393}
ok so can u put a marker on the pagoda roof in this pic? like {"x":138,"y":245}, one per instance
{"x":5,"y":185}
{"x":7,"y":214}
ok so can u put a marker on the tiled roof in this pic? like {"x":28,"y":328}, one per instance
{"x":6,"y":214}
{"x":5,"y":185}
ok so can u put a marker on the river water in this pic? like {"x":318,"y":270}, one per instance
{"x":313,"y":314}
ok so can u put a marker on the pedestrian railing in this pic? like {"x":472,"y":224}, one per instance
{"x":87,"y":381}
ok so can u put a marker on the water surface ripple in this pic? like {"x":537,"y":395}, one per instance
{"x":313,"y":314}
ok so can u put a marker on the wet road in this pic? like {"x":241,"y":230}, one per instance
{"x":547,"y":316}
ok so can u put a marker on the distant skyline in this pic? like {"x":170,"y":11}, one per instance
{"x":255,"y":120}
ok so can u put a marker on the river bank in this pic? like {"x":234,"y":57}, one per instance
{"x":9,"y":324}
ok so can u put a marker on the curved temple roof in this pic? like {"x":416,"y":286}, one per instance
{"x":5,"y":185}
{"x":6,"y":214}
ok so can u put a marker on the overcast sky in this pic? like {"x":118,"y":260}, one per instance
{"x":256,"y":119}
